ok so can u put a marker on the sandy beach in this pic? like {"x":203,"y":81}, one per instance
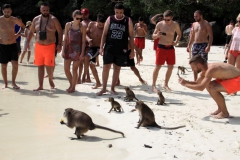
{"x":31,"y":129}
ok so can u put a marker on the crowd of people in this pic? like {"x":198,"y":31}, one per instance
{"x":117,"y":39}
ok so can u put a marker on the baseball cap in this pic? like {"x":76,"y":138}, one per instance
{"x":85,"y":11}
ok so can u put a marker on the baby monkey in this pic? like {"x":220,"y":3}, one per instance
{"x":115,"y":105}
{"x":147,"y":117}
{"x":129,"y":95}
{"x":82,"y":122}
{"x":161,"y":98}
{"x":182,"y":69}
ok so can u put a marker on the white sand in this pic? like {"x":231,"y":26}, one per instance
{"x":30,"y":127}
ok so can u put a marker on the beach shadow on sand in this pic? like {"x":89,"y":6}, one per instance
{"x":92,"y":138}
{"x":234,"y":120}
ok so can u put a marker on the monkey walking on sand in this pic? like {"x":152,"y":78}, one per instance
{"x":147,"y":117}
{"x":129,"y":95}
{"x":115,"y":105}
{"x":182,"y":69}
{"x":82,"y":122}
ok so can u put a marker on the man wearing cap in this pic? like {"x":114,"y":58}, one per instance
{"x":117,"y":29}
{"x":8,"y":46}
{"x":45,"y":26}
{"x":85,"y":17}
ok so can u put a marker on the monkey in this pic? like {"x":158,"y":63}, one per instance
{"x":147,"y":117}
{"x":161,"y":99}
{"x":115,"y":105}
{"x":182,"y":69}
{"x":129,"y":95}
{"x":82,"y":122}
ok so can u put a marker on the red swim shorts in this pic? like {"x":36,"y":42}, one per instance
{"x":164,"y":54}
{"x":140,"y":42}
{"x":155,"y":44}
{"x":235,"y":53}
{"x":44,"y":54}
{"x":231,"y":85}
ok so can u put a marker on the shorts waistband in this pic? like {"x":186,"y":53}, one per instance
{"x":200,"y":43}
{"x":165,"y":46}
{"x":45,"y":44}
{"x":8,"y":44}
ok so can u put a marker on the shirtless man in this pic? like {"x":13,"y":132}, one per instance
{"x":225,"y":81}
{"x":8,"y":45}
{"x":140,"y":30}
{"x":165,"y":31}
{"x":94,"y":35}
{"x":117,"y":29}
{"x":45,"y":26}
{"x":85,"y":17}
{"x":201,"y":37}
{"x":228,"y":31}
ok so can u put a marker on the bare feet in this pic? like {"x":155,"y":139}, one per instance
{"x":141,"y":58}
{"x":221,"y":115}
{"x":88,"y":80}
{"x":52,"y":85}
{"x":142,"y":81}
{"x":113,"y":92}
{"x":68,"y":88}
{"x":117,"y":83}
{"x":79,"y":81}
{"x":216,"y":112}
{"x":154,"y":89}
{"x":101,"y":92}
{"x":3,"y":87}
{"x":233,"y":94}
{"x":166,"y":88}
{"x":15,"y":86}
{"x":71,"y":90}
{"x":96,"y":86}
{"x":38,"y":89}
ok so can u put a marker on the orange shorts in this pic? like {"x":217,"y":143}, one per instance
{"x":235,"y":53}
{"x":231,"y":85}
{"x":140,"y":42}
{"x":155,"y":44}
{"x":44,"y":54}
{"x":164,"y":54}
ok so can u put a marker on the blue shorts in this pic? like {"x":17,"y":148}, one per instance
{"x":199,"y":48}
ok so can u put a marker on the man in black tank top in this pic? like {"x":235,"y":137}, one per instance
{"x":117,"y":29}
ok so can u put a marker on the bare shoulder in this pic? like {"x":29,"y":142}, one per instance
{"x":36,"y":18}
{"x":92,"y":23}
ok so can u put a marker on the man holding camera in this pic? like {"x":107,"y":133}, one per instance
{"x":45,"y":26}
{"x":165,"y":31}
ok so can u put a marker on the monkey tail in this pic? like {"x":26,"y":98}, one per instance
{"x":109,"y":129}
{"x":171,"y":128}
{"x":136,"y":98}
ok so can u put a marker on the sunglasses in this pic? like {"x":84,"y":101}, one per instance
{"x":167,"y":20}
{"x":78,"y":18}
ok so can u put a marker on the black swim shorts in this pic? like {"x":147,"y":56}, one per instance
{"x":115,"y":55}
{"x":130,"y":62}
{"x":228,"y":38}
{"x":93,"y":52}
{"x":8,"y":52}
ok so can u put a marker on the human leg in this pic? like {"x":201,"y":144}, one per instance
{"x":4,"y":75}
{"x":14,"y":74}
{"x":67,"y":64}
{"x":22,"y":56}
{"x":49,"y":70}
{"x":95,"y":75}
{"x":116,"y":71}
{"x":80,"y":69}
{"x":155,"y":75}
{"x":28,"y":57}
{"x":167,"y":77}
{"x":86,"y":69}
{"x":136,"y":72}
{"x":214,"y":89}
{"x":74,"y":76}
{"x":105,"y":74}
{"x":40,"y":77}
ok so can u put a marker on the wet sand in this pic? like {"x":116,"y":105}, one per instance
{"x":31,"y":129}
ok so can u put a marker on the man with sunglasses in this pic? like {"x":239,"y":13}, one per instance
{"x":165,"y":31}
{"x":201,"y":37}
